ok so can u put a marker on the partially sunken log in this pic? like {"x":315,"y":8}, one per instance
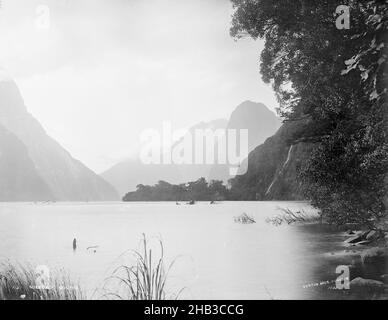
{"x":244,"y":218}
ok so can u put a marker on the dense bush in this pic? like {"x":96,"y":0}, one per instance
{"x":336,"y":79}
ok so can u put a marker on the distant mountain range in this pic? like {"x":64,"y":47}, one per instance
{"x":256,"y":117}
{"x":273,"y":173}
{"x":126,"y":175}
{"x":33,"y":166}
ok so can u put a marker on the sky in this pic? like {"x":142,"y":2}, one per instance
{"x":97,"y":73}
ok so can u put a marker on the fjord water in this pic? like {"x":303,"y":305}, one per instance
{"x":216,"y":258}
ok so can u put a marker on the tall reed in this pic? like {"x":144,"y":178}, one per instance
{"x":144,"y":280}
{"x":289,"y":217}
{"x":19,"y":281}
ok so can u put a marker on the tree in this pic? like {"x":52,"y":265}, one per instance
{"x":336,"y":81}
{"x":194,"y":190}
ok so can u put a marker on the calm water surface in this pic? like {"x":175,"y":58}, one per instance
{"x":216,"y":257}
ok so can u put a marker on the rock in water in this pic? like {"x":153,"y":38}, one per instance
{"x":374,"y":262}
{"x":375,"y":256}
{"x":366,"y":285}
{"x":354,"y":239}
{"x":384,"y":278}
{"x":371,"y":235}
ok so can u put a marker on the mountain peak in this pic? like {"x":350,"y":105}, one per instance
{"x":248,"y":113}
{"x":252,"y":106}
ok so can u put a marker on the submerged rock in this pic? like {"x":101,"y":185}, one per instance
{"x":366,"y":285}
{"x":363,"y":242}
{"x":365,"y":233}
{"x":374,"y":262}
{"x":384,"y":278}
{"x":354,"y":239}
{"x":371,"y":235}
{"x":364,"y":237}
{"x":375,"y":256}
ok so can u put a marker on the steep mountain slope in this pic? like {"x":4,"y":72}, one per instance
{"x":19,"y":179}
{"x":66,"y":178}
{"x":261,"y":124}
{"x":273,"y":168}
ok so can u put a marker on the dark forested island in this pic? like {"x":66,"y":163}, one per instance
{"x":199,"y":190}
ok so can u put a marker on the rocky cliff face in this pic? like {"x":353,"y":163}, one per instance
{"x":273,"y":168}
{"x":19,"y":178}
{"x":50,"y":169}
{"x":260,"y":122}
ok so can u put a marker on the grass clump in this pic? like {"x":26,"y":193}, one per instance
{"x":145,"y":279}
{"x":290,"y":217}
{"x":244,"y":219}
{"x":18,"y":282}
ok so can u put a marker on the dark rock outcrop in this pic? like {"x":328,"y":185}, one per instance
{"x":366,"y":285}
{"x":261,"y":124}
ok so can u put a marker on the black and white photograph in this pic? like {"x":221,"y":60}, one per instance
{"x":194,"y":150}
